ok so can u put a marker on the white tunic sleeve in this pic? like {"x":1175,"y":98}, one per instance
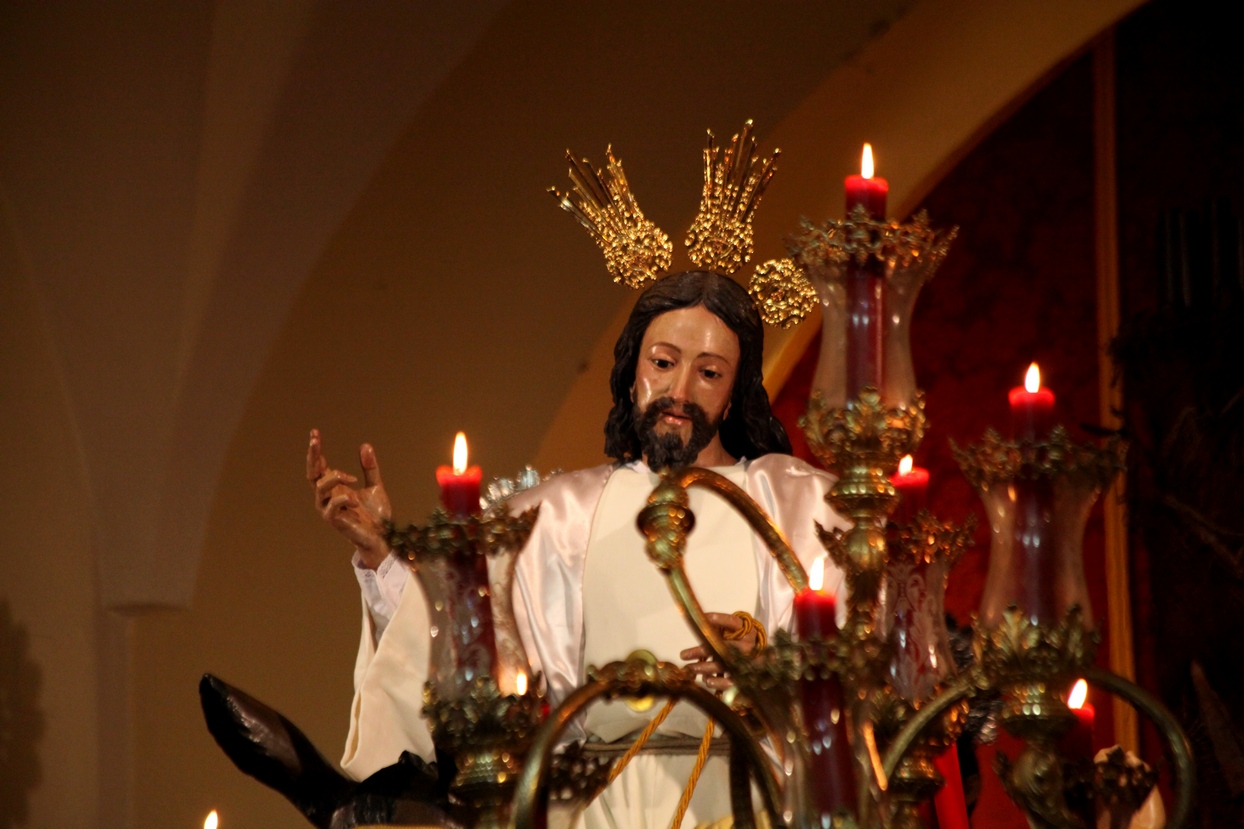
{"x":389,"y":674}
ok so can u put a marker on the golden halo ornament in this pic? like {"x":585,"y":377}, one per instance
{"x":720,"y":239}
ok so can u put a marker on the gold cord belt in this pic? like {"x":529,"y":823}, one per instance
{"x":707,"y":747}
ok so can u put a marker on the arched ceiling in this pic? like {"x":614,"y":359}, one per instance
{"x":172,"y":174}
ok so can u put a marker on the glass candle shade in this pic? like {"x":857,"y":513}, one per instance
{"x":1036,"y":554}
{"x":847,"y":296}
{"x":465,"y":569}
{"x":866,"y":310}
{"x":1037,"y":499}
{"x":460,"y":615}
{"x":922,"y":552}
{"x":915,"y":613}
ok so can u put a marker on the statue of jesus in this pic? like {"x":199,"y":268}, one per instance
{"x":687,"y":390}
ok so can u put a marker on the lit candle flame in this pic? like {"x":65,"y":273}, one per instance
{"x":866,"y":162}
{"x":1032,"y":380}
{"x":905,"y":465}
{"x":520,"y":683}
{"x":1079,"y":693}
{"x":211,"y":821}
{"x":816,"y":578}
{"x":460,"y":453}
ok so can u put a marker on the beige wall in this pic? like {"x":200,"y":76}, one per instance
{"x":48,"y":571}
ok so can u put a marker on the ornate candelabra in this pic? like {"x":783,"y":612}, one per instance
{"x":905,"y":703}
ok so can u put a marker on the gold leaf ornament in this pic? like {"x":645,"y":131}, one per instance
{"x":782,"y":292}
{"x":637,"y":252}
{"x":720,"y":238}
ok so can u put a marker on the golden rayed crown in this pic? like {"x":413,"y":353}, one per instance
{"x":637,"y":252}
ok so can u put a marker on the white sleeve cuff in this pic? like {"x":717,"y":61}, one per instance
{"x":382,"y":588}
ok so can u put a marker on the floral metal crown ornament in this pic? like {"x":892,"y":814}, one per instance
{"x":637,"y":252}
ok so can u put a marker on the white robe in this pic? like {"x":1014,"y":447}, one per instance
{"x":385,"y":715}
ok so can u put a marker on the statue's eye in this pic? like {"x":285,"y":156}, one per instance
{"x":662,"y":363}
{"x":711,"y":374}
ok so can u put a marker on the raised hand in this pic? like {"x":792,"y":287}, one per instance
{"x":357,"y":513}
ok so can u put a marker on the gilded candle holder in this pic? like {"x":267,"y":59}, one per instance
{"x":1031,"y":664}
{"x":860,"y":433}
{"x":862,"y":443}
{"x":790,"y":670}
{"x":865,"y":411}
{"x":904,"y":256}
{"x":481,"y":703}
{"x":1122,"y":784}
{"x":1033,"y":637}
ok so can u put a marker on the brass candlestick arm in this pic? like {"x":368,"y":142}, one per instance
{"x":1183,"y":760}
{"x":666,"y":521}
{"x":766,"y":679}
{"x":638,"y":678}
{"x":862,"y":443}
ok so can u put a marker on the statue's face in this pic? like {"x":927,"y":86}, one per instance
{"x":685,"y":375}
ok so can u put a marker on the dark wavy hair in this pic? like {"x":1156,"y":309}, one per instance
{"x":750,"y":429}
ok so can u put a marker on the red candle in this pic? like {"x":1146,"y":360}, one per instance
{"x":950,"y":805}
{"x":865,"y":300}
{"x":912,"y":483}
{"x":866,"y":190}
{"x":831,"y":778}
{"x":816,"y":612}
{"x":469,"y":602}
{"x":459,"y":484}
{"x":1078,"y":744}
{"x":1033,"y":533}
{"x":1032,"y":408}
{"x":865,"y":288}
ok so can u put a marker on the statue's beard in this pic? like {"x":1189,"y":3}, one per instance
{"x":668,"y":449}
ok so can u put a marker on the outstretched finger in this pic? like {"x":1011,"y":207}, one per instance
{"x":371,"y":467}
{"x":316,"y":465}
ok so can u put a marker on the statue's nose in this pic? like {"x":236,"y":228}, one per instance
{"x":680,"y":384}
